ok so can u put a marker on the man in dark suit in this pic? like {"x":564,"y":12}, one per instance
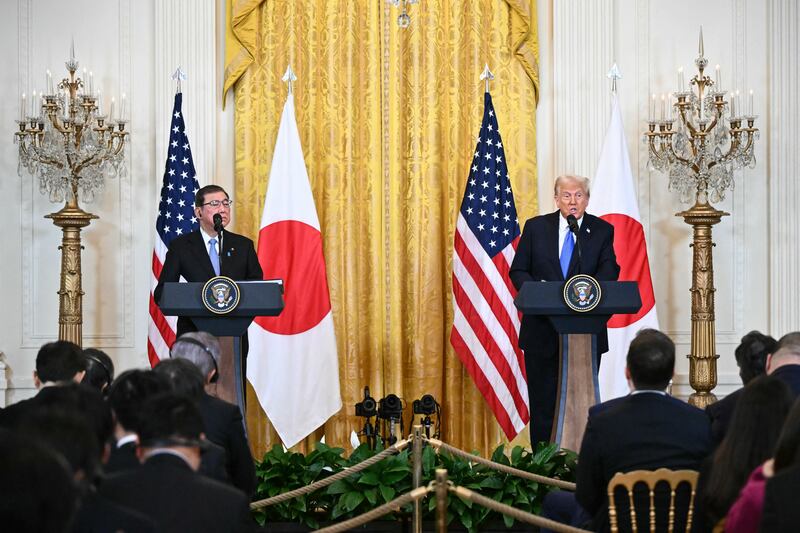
{"x":198,"y":256}
{"x":167,"y":487}
{"x":751,"y":357}
{"x":784,"y":363}
{"x":545,"y":253}
{"x":222,"y":421}
{"x":645,"y":430}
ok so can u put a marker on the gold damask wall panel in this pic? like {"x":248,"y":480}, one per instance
{"x":388,"y":119}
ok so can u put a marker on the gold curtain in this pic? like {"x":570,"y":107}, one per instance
{"x":388,"y":119}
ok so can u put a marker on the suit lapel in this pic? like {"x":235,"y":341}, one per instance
{"x":198,"y":248}
{"x":552,"y":241}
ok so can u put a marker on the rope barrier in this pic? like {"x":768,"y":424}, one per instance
{"x":391,"y":450}
{"x":566,"y":485}
{"x":387,"y":507}
{"x":517,"y":514}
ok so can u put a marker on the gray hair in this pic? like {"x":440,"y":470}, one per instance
{"x":197,"y":354}
{"x":580,"y":180}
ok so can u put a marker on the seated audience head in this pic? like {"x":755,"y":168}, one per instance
{"x":755,"y":426}
{"x":183,"y":376}
{"x":787,"y":352}
{"x":129,"y":391}
{"x":58,"y":362}
{"x":37,"y":492}
{"x":99,"y":369}
{"x":650,"y":360}
{"x":200,"y":348}
{"x":787,"y":451}
{"x":171,"y":422}
{"x":751,"y":355}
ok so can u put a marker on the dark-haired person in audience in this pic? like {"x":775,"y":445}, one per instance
{"x":751,"y":357}
{"x":67,"y":432}
{"x":222,"y":420}
{"x":57,"y":363}
{"x":784,"y":363}
{"x":126,"y":396}
{"x":645,"y":430}
{"x":754,"y":429}
{"x":746,"y":513}
{"x":781,"y":512}
{"x":186,"y":380}
{"x":99,"y":369}
{"x":167,"y":487}
{"x":37,"y":492}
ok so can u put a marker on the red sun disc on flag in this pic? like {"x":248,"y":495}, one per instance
{"x":292,"y":251}
{"x":631,"y":251}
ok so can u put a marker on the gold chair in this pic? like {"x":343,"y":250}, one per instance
{"x":672,"y":478}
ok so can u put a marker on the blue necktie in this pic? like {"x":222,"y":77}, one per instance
{"x":566,"y":253}
{"x":212,"y":253}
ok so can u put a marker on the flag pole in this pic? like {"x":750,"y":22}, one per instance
{"x":487,"y":76}
{"x":178,"y":76}
{"x":614,"y":74}
{"x":289,"y":77}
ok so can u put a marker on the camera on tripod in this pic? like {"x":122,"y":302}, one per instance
{"x":368,"y":406}
{"x":427,"y":406}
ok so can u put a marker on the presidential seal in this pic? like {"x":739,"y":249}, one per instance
{"x":220,"y":295}
{"x":582,"y":293}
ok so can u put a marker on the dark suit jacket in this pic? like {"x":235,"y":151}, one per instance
{"x":789,"y":374}
{"x":781,"y":512}
{"x":223,"y":426}
{"x":720,"y":414}
{"x":537,"y":260}
{"x":188,"y":257}
{"x":643,"y":431}
{"x":122,"y":458}
{"x":178,"y":499}
{"x":99,"y":515}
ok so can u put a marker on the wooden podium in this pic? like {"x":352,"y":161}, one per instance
{"x":579,"y":361}
{"x":257,"y":298}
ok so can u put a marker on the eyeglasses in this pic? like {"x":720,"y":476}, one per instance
{"x":217,"y":203}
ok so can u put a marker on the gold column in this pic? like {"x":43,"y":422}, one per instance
{"x":71,"y":219}
{"x":703,"y":356}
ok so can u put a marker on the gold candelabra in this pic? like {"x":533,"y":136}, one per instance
{"x":67,"y":143}
{"x":699,"y":148}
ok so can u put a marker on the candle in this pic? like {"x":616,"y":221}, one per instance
{"x":738,"y":103}
{"x":33,"y":104}
{"x":719,"y":83}
{"x":123,"y":108}
{"x":99,"y":102}
{"x":750,"y":108}
{"x":663,"y":105}
{"x":22,"y":108}
{"x":72,"y":50}
{"x":85,"y":80}
{"x":111,"y":110}
{"x":700,"y":47}
{"x":680,"y":79}
{"x":669,"y":107}
{"x":49,"y":83}
{"x":91,"y":82}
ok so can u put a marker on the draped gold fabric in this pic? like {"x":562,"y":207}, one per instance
{"x":388,"y":119}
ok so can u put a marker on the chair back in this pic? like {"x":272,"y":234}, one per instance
{"x":650,"y":479}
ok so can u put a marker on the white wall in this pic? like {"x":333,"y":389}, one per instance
{"x":133,"y":46}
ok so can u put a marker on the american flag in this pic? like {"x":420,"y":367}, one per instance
{"x":485,"y":323}
{"x":175,"y":218}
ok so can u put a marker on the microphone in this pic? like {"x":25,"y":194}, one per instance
{"x":218,"y":229}
{"x":573,"y":227}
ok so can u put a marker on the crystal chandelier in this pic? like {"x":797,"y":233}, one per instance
{"x":704,"y":140}
{"x":700,"y":145}
{"x":66,"y":142}
{"x":403,"y":20}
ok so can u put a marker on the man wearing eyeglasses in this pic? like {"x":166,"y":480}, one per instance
{"x":198,"y":257}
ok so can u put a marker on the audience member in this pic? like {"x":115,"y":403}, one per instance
{"x":222,"y":420}
{"x":784,"y":363}
{"x":754,"y":429}
{"x":99,"y":369}
{"x":781,"y":512}
{"x":66,"y":431}
{"x":186,"y":380}
{"x":745,"y":513}
{"x":37,"y":492}
{"x":751,"y":357}
{"x":167,"y":487}
{"x":126,"y":396}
